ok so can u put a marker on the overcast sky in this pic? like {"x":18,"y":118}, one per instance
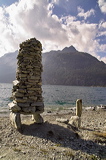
{"x":56,"y":23}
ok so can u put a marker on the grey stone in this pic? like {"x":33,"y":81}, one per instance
{"x":21,"y":90}
{"x":62,"y":120}
{"x":14,"y":107}
{"x":37,"y":104}
{"x":30,"y":110}
{"x":75,"y":121}
{"x":15,"y":82}
{"x":23,"y":104}
{"x":20,"y":100}
{"x":15,"y":120}
{"x":17,"y":94}
{"x":37,"y":118}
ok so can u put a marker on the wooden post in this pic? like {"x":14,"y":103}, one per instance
{"x":79,"y":110}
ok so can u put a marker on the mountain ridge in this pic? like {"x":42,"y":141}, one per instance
{"x":62,"y":67}
{"x":73,"y":68}
{"x":69,"y":49}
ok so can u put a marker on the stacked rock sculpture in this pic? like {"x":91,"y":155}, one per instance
{"x":27,"y":88}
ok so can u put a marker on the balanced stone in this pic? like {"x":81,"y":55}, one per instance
{"x":27,"y":88}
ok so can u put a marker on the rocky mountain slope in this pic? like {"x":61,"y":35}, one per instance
{"x":70,"y":67}
{"x":66,"y":67}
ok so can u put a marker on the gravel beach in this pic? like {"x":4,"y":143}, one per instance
{"x":54,"y":140}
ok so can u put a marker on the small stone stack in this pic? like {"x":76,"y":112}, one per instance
{"x":27,"y":91}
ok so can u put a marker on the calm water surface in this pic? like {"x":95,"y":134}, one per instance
{"x":57,"y":95}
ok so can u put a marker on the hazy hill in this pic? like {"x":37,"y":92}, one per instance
{"x":66,"y":67}
{"x":8,"y":67}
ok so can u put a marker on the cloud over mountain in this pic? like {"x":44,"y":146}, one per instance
{"x":25,"y":19}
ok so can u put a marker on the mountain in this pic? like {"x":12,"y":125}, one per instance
{"x":69,"y":49}
{"x":8,"y":64}
{"x":70,"y":67}
{"x":65,"y":67}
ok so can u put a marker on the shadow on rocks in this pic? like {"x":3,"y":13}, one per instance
{"x":64,"y":137}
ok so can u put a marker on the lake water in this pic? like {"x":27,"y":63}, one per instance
{"x":57,"y":95}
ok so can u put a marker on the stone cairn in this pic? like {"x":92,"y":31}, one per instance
{"x":27,"y":91}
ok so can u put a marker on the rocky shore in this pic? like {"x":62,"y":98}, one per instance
{"x":55,"y":140}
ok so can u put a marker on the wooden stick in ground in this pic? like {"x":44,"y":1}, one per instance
{"x":79,"y":110}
